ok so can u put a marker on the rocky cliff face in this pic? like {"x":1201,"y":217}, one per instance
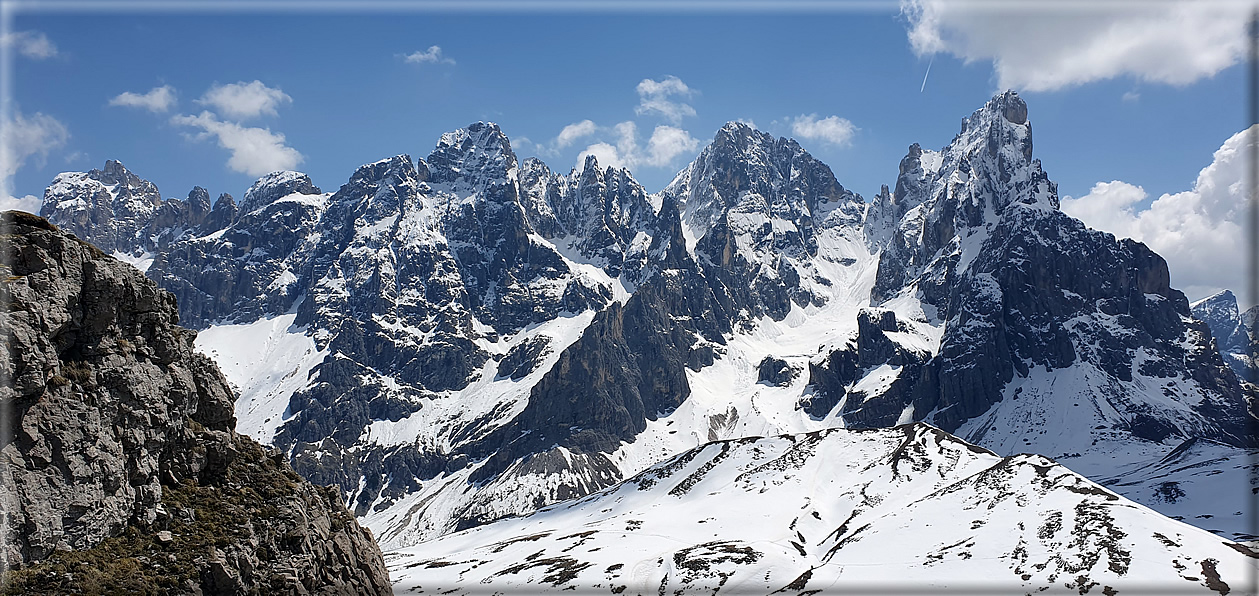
{"x":1026,"y":294}
{"x":122,"y":470}
{"x":1234,"y":332}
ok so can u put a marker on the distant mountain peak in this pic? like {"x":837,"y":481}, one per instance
{"x":479,"y":153}
{"x":1222,"y":297}
{"x":274,"y":186}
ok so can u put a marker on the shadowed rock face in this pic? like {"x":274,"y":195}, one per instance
{"x":1019,"y":286}
{"x":1234,"y":332}
{"x":121,"y":454}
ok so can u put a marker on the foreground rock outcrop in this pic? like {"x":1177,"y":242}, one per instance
{"x":121,"y":468}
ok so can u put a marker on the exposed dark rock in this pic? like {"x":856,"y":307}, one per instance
{"x":1019,"y":285}
{"x":524,"y":358}
{"x":251,"y":268}
{"x":1234,"y":332}
{"x":830,"y":380}
{"x":601,"y":212}
{"x":222,"y":215}
{"x":626,"y":369}
{"x":775,"y":372}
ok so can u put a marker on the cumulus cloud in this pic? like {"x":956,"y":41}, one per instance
{"x":663,"y":147}
{"x":242,"y":100}
{"x":619,"y":145}
{"x":28,"y":203}
{"x":655,"y":97}
{"x":572,"y":132}
{"x":433,"y":55}
{"x":158,"y":100}
{"x":1037,"y":46}
{"x":31,"y":44}
{"x":23,"y":137}
{"x":606,"y":154}
{"x":1198,"y":231}
{"x":831,"y":129}
{"x":255,"y":151}
{"x":667,"y":143}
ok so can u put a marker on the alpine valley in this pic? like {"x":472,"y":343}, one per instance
{"x":754,"y":379}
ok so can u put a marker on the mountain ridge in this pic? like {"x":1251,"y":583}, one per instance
{"x":483,"y":336}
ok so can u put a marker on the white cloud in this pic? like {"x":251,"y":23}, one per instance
{"x":666,"y":143}
{"x":618,"y":146}
{"x":606,"y":154}
{"x":572,"y":132}
{"x":255,"y":151}
{"x":1198,"y":231}
{"x":23,"y":137}
{"x":241,"y":101}
{"x":663,"y":147}
{"x":158,"y":100}
{"x":433,"y":55}
{"x":1131,"y":96}
{"x":28,"y":203}
{"x":654,"y":97}
{"x":1037,"y":46}
{"x":32,"y":44}
{"x":831,"y":129}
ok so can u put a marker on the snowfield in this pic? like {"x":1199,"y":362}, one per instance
{"x":906,"y":508}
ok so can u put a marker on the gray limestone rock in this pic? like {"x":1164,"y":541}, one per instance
{"x":114,"y":420}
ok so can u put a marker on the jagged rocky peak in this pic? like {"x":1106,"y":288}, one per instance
{"x":1234,"y":331}
{"x":602,"y":214}
{"x":129,"y":185}
{"x":1219,"y":311}
{"x":471,"y":158}
{"x":753,"y":209}
{"x":377,"y":170}
{"x":988,"y":165}
{"x":222,"y":215}
{"x":277,"y":185}
{"x":174,"y":216}
{"x":539,"y":188}
{"x":199,"y":202}
{"x":109,"y":207}
{"x":120,"y":466}
{"x":124,"y":214}
{"x":379,"y":189}
{"x":943,"y":198}
{"x":745,"y":170}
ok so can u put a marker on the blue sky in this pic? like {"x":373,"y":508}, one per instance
{"x":845,"y":80}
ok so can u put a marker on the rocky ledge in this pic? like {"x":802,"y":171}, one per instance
{"x":120,"y":467}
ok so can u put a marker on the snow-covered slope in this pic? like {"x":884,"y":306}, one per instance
{"x":1200,"y":482}
{"x":909,"y":507}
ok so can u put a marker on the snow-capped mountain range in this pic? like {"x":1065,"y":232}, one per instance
{"x":465,"y":337}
